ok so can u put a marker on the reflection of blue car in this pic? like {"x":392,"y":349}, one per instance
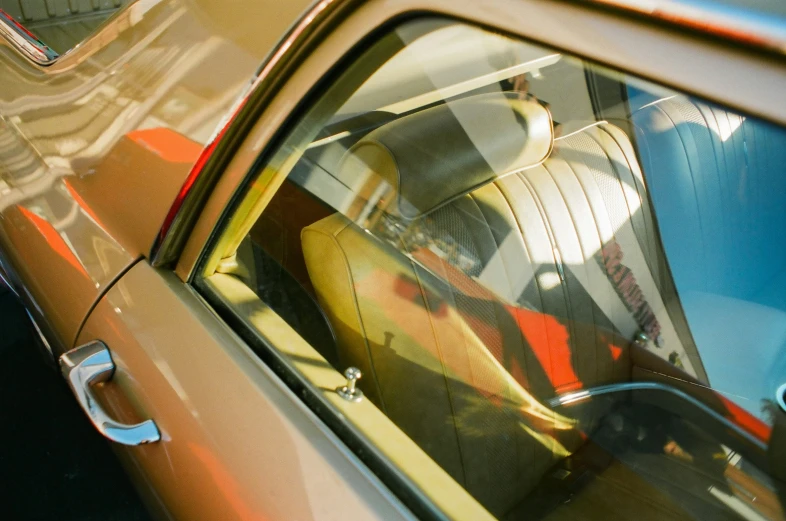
{"x":716,"y":186}
{"x":409,"y":258}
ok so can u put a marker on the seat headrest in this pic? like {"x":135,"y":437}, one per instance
{"x":431,"y":157}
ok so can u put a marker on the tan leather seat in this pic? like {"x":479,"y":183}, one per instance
{"x":474,"y":279}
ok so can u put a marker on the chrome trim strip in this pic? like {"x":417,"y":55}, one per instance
{"x":4,"y":280}
{"x":744,"y":26}
{"x":585,"y":394}
{"x":40,"y":333}
{"x":25,"y":42}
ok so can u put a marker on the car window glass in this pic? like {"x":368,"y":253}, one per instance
{"x":61,"y":24}
{"x":563,"y":283}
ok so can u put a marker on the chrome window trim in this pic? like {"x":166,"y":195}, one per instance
{"x":585,"y":394}
{"x":40,"y":333}
{"x":24,"y":42}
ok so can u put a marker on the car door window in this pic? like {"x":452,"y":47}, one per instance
{"x":564,"y":284}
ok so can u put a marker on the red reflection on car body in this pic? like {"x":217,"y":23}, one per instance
{"x":167,"y":144}
{"x":53,"y":238}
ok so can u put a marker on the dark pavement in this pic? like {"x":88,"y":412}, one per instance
{"x":53,"y":464}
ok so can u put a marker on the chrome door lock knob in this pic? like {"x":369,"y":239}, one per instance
{"x":641,"y":340}
{"x":350,"y":392}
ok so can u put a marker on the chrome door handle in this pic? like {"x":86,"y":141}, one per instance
{"x":89,"y":364}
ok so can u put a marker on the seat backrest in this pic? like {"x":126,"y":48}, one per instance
{"x":717,"y":182}
{"x":720,"y":185}
{"x":486,"y":279}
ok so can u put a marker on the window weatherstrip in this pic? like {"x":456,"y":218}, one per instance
{"x":25,"y":42}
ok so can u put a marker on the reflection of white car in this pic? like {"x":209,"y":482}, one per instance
{"x":412,"y":258}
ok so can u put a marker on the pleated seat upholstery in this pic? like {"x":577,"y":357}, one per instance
{"x":483,"y":282}
{"x":718,"y":193}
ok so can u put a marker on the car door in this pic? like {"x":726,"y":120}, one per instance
{"x":222,"y":353}
{"x":235,"y":443}
{"x":230,"y":441}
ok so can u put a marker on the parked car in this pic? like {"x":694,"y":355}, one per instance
{"x":397,"y":259}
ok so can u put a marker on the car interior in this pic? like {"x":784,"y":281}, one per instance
{"x":548,"y":273}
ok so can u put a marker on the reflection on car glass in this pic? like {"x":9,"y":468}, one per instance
{"x":61,"y":24}
{"x":525,"y":255}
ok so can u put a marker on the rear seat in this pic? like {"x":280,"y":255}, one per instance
{"x":717,"y":182}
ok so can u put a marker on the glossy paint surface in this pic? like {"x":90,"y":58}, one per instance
{"x":94,"y":148}
{"x":236,"y":444}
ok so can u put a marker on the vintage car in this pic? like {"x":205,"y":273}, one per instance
{"x":397,"y":259}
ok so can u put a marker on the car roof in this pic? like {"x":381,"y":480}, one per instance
{"x":755,"y":23}
{"x":770,"y":7}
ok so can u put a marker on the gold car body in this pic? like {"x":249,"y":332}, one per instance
{"x":100,"y":234}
